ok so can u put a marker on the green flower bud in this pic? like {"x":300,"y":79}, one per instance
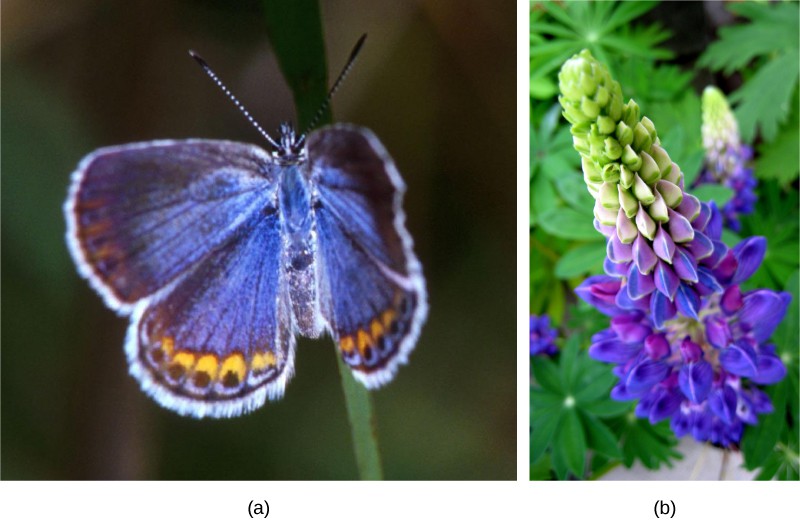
{"x":628,"y":202}
{"x":602,"y":96}
{"x":641,"y":137}
{"x":658,"y":209}
{"x":608,"y":196}
{"x":626,"y":177}
{"x":611,"y":172}
{"x":630,"y":113}
{"x":590,"y":108}
{"x":612,"y":149}
{"x":651,"y":128}
{"x":615,"y":108}
{"x":649,"y":170}
{"x":672,"y":194}
{"x":624,"y":134}
{"x":605,"y":125}
{"x":662,"y":159}
{"x":631,"y":159}
{"x":642,"y":191}
{"x":591,"y":170}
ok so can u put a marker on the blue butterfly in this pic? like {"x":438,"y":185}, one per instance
{"x":221,"y":253}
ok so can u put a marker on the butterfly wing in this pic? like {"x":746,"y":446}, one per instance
{"x":185,"y":236}
{"x":220,"y":342}
{"x":141,"y":214}
{"x":372,"y":292}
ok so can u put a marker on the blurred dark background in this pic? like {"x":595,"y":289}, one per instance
{"x":436,"y":83}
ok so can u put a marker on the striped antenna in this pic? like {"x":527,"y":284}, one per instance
{"x":228,"y":93}
{"x":338,"y":82}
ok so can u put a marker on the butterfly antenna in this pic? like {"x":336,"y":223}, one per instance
{"x":228,"y":93}
{"x":350,"y":61}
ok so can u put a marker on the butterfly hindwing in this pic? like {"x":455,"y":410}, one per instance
{"x":220,"y":342}
{"x":372,"y":292}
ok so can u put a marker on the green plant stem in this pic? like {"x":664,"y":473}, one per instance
{"x":362,"y":425}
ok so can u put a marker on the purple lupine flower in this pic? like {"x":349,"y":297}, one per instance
{"x":542,"y":336}
{"x":686,"y":341}
{"x":726,"y":158}
{"x":700,"y":372}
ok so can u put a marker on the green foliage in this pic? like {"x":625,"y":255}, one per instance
{"x":770,"y":41}
{"x":604,"y":28}
{"x":780,"y":159}
{"x":570,"y":405}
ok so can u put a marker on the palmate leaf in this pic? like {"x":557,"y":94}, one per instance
{"x":560,"y":30}
{"x":770,"y":38}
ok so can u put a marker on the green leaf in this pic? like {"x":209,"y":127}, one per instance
{"x":597,"y":386}
{"x":567,"y":223}
{"x":570,"y":443}
{"x":546,"y":374}
{"x":708,"y":192}
{"x":607,"y":408}
{"x":759,"y":441}
{"x":600,"y":437}
{"x":543,"y":197}
{"x":586,"y":258}
{"x":573,"y":190}
{"x":568,"y":364}
{"x":764,"y":100}
{"x":544,"y":422}
{"x":780,"y":159}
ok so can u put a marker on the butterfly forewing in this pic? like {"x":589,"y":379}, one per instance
{"x":142,"y":214}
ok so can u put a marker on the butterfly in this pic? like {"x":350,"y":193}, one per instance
{"x":221,"y":253}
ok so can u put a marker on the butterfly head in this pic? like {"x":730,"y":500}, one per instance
{"x":290,"y":146}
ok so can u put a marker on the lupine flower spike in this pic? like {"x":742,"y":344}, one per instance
{"x":688,"y":343}
{"x":726,"y":157}
{"x":542,"y":336}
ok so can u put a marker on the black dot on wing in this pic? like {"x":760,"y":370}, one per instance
{"x":230,"y":380}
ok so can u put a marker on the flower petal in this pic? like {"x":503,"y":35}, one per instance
{"x":661,"y":309}
{"x":666,"y":280}
{"x":722,"y":402}
{"x":614,"y":351}
{"x":639,"y":284}
{"x":717,"y":331}
{"x":770,"y":370}
{"x":680,"y":229}
{"x":750,"y":254}
{"x":740,"y":359}
{"x":663,"y":245}
{"x":617,"y":251}
{"x":762,"y":311}
{"x":701,"y":246}
{"x":685,"y":266}
{"x":600,"y":292}
{"x":644,"y":375}
{"x":687,"y":301}
{"x":695,"y":380}
{"x":643,"y":255}
{"x":666,"y":404}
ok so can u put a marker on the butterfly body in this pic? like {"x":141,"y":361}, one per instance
{"x":221,"y":253}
